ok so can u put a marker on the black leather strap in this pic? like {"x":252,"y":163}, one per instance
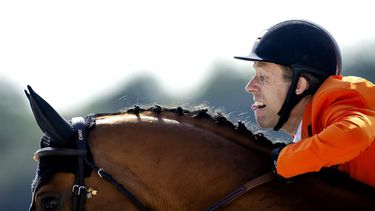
{"x":78,"y":124}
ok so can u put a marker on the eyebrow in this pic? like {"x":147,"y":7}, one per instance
{"x":259,"y":64}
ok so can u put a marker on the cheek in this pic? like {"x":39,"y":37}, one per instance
{"x":282,"y":92}
{"x":277,"y":97}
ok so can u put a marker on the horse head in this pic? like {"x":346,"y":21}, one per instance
{"x":58,"y":137}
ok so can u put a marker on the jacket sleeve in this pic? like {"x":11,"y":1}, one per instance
{"x":347,"y":129}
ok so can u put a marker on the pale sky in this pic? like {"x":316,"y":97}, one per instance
{"x":57,"y":45}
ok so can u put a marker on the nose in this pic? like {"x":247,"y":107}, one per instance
{"x":251,"y":87}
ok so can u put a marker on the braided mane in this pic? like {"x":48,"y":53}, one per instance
{"x":217,"y":119}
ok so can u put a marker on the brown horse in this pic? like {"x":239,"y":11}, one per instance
{"x":173,"y":159}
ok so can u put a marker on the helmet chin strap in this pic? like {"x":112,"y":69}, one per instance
{"x":292,"y":99}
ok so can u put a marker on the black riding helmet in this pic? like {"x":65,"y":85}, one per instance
{"x":304,"y":47}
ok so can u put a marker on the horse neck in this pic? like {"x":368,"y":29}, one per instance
{"x":181,"y":161}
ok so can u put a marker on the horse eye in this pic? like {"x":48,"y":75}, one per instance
{"x":50,"y":203}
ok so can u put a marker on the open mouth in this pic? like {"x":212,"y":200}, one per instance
{"x":258,"y":105}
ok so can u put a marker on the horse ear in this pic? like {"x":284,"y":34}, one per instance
{"x":51,"y":123}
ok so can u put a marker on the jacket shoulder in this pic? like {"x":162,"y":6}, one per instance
{"x":350,"y":90}
{"x":336,"y":86}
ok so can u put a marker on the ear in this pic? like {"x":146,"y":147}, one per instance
{"x":51,"y":123}
{"x":302,"y":85}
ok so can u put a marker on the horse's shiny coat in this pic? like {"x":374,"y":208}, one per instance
{"x":178,"y":162}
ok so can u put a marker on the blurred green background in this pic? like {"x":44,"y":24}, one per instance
{"x":223,"y":90}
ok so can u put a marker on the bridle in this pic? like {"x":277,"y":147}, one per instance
{"x":80,"y":192}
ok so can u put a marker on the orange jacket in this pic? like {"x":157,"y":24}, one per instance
{"x":338,"y":128}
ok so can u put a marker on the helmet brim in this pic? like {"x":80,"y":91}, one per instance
{"x":249,"y":58}
{"x":254,"y":58}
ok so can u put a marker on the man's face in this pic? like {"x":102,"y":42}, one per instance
{"x":269,"y":90}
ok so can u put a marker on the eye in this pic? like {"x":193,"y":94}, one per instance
{"x":262,"y":78}
{"x":49,"y":203}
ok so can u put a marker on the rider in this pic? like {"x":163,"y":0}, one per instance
{"x":297,"y":87}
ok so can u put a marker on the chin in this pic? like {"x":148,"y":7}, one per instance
{"x":261,"y":124}
{"x":264,"y":125}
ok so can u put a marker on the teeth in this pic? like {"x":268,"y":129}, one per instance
{"x":259,"y":104}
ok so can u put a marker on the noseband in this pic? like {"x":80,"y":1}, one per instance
{"x":80,"y":192}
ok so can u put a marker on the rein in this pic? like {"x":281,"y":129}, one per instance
{"x":80,"y":192}
{"x":242,"y":190}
